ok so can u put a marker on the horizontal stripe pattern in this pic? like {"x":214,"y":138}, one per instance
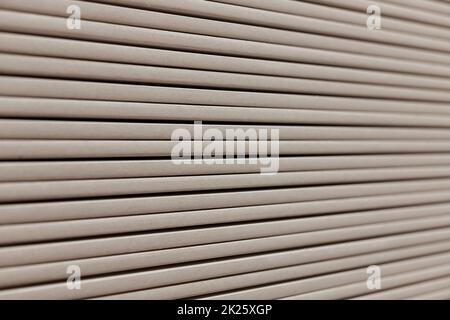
{"x":90,"y":118}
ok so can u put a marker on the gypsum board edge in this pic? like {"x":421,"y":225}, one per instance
{"x":16,"y":171}
{"x":14,"y":192}
{"x":301,"y":222}
{"x":139,"y":280}
{"x":68,"y":250}
{"x":396,"y":192}
{"x":389,"y":282}
{"x":230,"y":253}
{"x":266,"y":277}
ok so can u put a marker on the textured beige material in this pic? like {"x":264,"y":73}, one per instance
{"x":391,"y":10}
{"x":423,"y":242}
{"x":102,"y":169}
{"x":433,"y":6}
{"x":332,"y":199}
{"x":344,"y":284}
{"x":54,"y":26}
{"x":140,"y":280}
{"x":54,"y":190}
{"x":102,"y":71}
{"x":263,"y":277}
{"x":56,"y":47}
{"x":302,"y":8}
{"x":89,"y":117}
{"x":435,"y":295}
{"x":51,"y":252}
{"x":149,"y":19}
{"x":389,"y":282}
{"x":409,"y":291}
{"x":238,"y":107}
{"x":71,"y":229}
